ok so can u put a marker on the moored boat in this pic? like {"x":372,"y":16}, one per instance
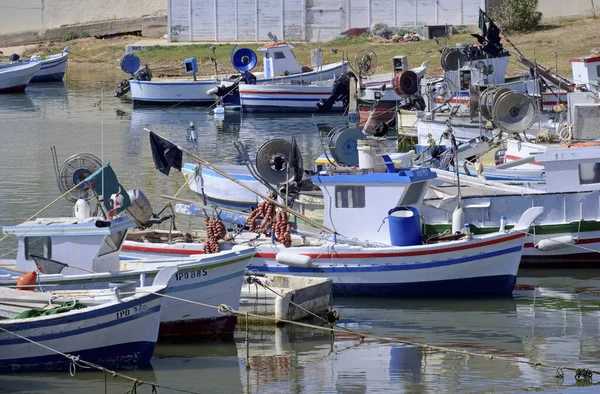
{"x":43,"y":329}
{"x":14,"y":77}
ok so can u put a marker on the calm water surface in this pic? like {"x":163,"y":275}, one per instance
{"x":559,"y":324}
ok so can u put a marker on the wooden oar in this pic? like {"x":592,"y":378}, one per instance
{"x":11,"y":268}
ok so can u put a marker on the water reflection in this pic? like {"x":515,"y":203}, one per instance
{"x":554,"y":317}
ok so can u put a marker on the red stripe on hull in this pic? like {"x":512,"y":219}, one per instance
{"x":512,"y":157}
{"x":291,"y":93}
{"x":14,"y":89}
{"x":216,"y":327}
{"x":151,"y":249}
{"x":399,"y":254}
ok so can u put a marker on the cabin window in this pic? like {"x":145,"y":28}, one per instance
{"x":39,"y":246}
{"x":278,"y":55}
{"x":349,"y":196}
{"x":414,"y":193}
{"x":112,"y":243}
{"x":589,"y":173}
{"x":598,"y":70}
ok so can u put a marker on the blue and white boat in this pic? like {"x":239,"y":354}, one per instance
{"x":280,"y":66}
{"x":107,"y":327}
{"x":88,"y":252}
{"x":53,"y":68}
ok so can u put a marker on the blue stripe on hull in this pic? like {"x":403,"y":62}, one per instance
{"x":273,"y":108}
{"x":48,"y":78}
{"x":489,"y":285}
{"x":113,"y":356}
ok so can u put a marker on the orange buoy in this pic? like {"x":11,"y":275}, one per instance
{"x":26,"y":280}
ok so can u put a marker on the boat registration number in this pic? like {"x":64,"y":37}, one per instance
{"x":131,"y":311}
{"x":190,"y":274}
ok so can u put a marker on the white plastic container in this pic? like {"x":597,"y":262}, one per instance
{"x":82,"y":209}
{"x":369,"y":154}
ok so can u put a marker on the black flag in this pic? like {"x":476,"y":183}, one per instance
{"x":165,"y":154}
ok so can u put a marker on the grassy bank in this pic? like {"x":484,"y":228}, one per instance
{"x":567,"y":38}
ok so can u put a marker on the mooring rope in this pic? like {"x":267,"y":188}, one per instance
{"x":78,"y":362}
{"x":580,"y":373}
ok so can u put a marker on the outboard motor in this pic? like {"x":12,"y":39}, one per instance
{"x":130,"y":63}
{"x":340,"y":91}
{"x":14,"y":57}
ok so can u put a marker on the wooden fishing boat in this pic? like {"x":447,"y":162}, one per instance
{"x":43,"y":329}
{"x":14,"y":77}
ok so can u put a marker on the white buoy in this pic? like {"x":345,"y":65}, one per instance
{"x":458,"y":220}
{"x":82,"y":209}
{"x":293,"y":259}
{"x":555,"y":243}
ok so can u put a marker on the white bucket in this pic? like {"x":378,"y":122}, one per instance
{"x":369,"y":154}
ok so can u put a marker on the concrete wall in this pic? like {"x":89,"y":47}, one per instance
{"x":27,"y":15}
{"x":557,"y":9}
{"x":311,"y":20}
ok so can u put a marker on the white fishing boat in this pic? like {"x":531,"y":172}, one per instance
{"x":280,"y":65}
{"x":386,"y":255}
{"x":107,"y":327}
{"x":14,"y":77}
{"x":220,"y":191}
{"x":54,"y":66}
{"x":83,"y":253}
{"x":285,"y":297}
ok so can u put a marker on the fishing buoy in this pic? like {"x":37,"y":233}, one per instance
{"x":293,"y":259}
{"x":26,"y":280}
{"x":82,"y":209}
{"x":458,"y":220}
{"x":555,"y":243}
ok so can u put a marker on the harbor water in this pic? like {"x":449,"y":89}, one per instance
{"x":557,"y":324}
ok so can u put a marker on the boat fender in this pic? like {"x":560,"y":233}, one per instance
{"x":294,"y":259}
{"x":555,"y":243}
{"x":26,"y":280}
{"x":458,"y":220}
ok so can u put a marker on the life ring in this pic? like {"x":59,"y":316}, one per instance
{"x":274,"y":44}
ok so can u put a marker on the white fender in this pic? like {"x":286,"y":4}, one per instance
{"x":555,"y":243}
{"x":527,"y":218}
{"x":293,"y":259}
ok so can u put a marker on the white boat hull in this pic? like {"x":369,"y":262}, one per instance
{"x":487,"y":265}
{"x":223,"y":192}
{"x":285,"y":97}
{"x":212,"y":279}
{"x":53,"y":68}
{"x":15,"y":77}
{"x":172,"y":91}
{"x":115,"y":333}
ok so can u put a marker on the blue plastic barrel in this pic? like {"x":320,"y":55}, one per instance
{"x":405,"y":226}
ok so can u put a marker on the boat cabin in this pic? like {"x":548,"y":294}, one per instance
{"x":574,"y":168}
{"x":92,"y":244}
{"x":357,"y":204}
{"x":279,"y":59}
{"x":586,"y":71}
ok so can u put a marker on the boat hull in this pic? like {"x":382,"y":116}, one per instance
{"x":184,"y":91}
{"x":213,"y":280}
{"x":285,"y":98}
{"x":53,"y":68}
{"x":89,"y":334}
{"x":482,"y":266}
{"x":16,"y":77}
{"x":221,"y":191}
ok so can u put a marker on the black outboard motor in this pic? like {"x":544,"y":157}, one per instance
{"x":143,"y":74}
{"x":225,"y":89}
{"x":14,"y":57}
{"x":341,"y":91}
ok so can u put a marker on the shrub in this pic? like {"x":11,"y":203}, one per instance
{"x":69,"y":36}
{"x":517,"y":15}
